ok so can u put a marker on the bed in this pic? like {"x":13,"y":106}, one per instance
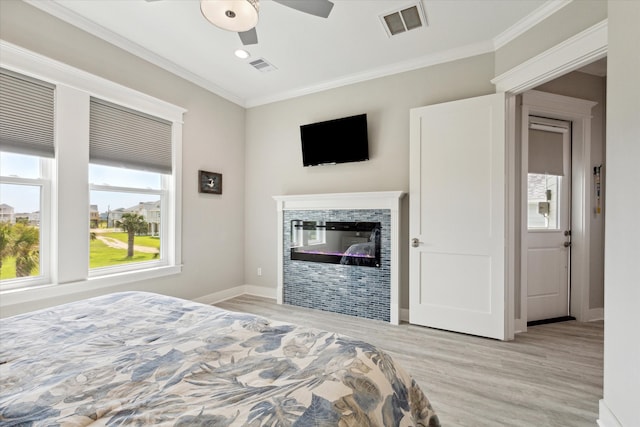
{"x":136,"y":358}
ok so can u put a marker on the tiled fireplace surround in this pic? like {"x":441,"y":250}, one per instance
{"x":370,"y":292}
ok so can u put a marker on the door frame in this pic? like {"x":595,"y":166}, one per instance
{"x":578,"y":112}
{"x":569,"y":55}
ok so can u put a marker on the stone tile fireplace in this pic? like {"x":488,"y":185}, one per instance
{"x":339,"y":253}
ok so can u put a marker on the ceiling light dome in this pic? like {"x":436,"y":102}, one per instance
{"x":231,"y":15}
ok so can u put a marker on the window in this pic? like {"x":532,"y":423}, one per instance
{"x":543,"y":196}
{"x":73,"y":165}
{"x":119,"y":209}
{"x":26,"y":147}
{"x":23,"y":185}
{"x":129,"y":172}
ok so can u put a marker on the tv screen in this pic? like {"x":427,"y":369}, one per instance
{"x":335,"y":141}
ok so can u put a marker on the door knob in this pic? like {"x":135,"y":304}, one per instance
{"x":415,"y":242}
{"x":567,"y":244}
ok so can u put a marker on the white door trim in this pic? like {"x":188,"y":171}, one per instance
{"x":575,"y":52}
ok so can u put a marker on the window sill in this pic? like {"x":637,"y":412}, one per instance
{"x":32,"y":294}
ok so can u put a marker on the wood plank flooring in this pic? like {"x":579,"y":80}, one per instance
{"x":549,"y":376}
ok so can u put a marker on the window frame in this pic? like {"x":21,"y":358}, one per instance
{"x":69,"y":274}
{"x":163,"y":194}
{"x":44,"y":182}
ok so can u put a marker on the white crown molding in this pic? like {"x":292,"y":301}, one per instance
{"x":91,"y":27}
{"x":60,"y":12}
{"x":414,"y":64}
{"x":581,"y":49}
{"x":528,"y":22}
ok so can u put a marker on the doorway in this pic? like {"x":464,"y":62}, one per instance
{"x":554,"y":226}
{"x":548,"y":226}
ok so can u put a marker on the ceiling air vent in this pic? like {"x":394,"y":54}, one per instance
{"x":262,"y":65}
{"x":405,"y":19}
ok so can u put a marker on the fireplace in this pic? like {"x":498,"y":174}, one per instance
{"x":340,"y":282}
{"x":336,"y":242}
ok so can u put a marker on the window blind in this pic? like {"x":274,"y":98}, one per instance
{"x":546,"y":152}
{"x":26,"y":115}
{"x":123,"y":137}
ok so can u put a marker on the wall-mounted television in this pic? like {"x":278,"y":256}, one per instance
{"x":335,"y":141}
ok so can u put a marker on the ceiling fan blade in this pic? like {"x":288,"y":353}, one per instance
{"x":321,"y":8}
{"x":249,"y":36}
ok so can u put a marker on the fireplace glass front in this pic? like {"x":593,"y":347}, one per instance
{"x":348,"y":243}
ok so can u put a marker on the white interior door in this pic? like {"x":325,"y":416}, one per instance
{"x":457,"y":216}
{"x":548,"y":218}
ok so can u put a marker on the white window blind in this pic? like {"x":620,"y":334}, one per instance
{"x":123,"y":137}
{"x":26,"y":115}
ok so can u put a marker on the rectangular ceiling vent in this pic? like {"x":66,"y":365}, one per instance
{"x":262,"y":65}
{"x":403,"y":20}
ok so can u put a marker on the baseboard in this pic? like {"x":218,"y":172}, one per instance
{"x":520,"y":326}
{"x":260,"y":291}
{"x":606,"y":417}
{"x":595,"y":314}
{"x":226,"y":294}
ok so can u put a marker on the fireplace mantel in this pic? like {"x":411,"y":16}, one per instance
{"x":347,"y":201}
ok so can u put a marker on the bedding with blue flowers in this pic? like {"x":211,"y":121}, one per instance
{"x":136,"y":358}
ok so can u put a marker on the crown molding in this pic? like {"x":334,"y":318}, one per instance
{"x":575,"y":52}
{"x":414,"y":64}
{"x":70,"y":17}
{"x":528,"y":22}
{"x":55,"y":9}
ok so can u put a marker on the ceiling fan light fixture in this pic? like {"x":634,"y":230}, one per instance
{"x":231,"y":15}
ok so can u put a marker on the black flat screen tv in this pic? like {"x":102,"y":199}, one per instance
{"x":335,"y":141}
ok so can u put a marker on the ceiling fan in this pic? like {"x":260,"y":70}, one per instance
{"x":241,"y":16}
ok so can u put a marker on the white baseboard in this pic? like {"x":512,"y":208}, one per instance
{"x":260,"y":291}
{"x":520,"y":326}
{"x":226,"y":294}
{"x":606,"y":417}
{"x":595,"y":314}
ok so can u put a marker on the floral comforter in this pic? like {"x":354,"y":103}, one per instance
{"x":137,"y":358}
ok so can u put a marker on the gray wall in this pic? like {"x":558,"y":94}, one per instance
{"x":274,"y":160}
{"x":213,"y":139}
{"x":592,"y":88}
{"x":622,"y":242}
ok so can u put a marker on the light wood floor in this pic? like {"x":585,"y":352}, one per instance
{"x":549,"y":376}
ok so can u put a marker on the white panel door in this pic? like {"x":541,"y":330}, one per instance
{"x":548,"y":222}
{"x":457,"y":216}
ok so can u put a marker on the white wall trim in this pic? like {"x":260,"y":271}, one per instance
{"x":59,"y":11}
{"x":397,"y":68}
{"x":595,"y":314}
{"x":237,"y":291}
{"x":581,"y":49}
{"x":606,"y":417}
{"x":16,"y":297}
{"x":367,"y":200}
{"x":528,"y":22}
